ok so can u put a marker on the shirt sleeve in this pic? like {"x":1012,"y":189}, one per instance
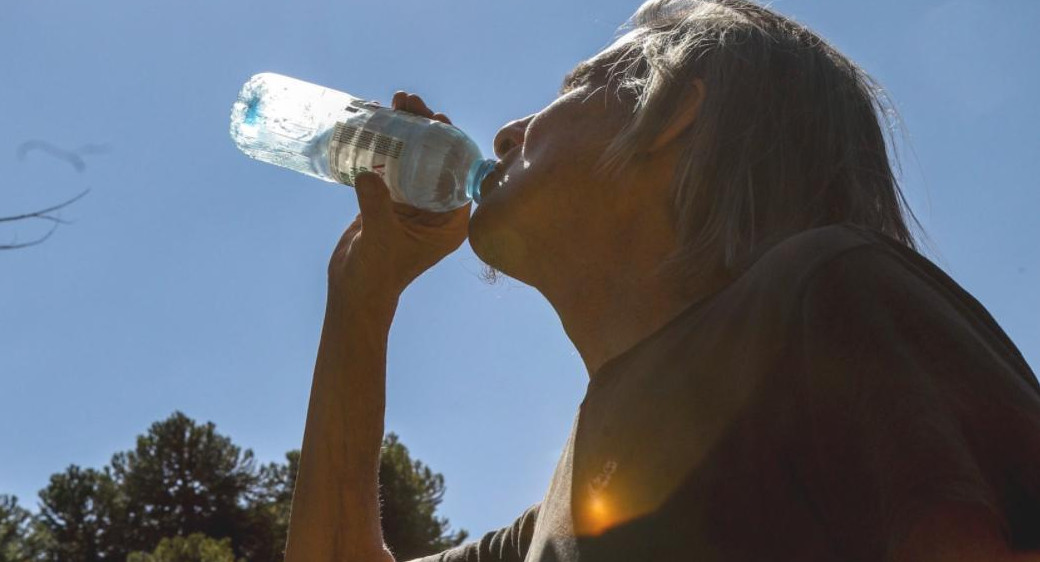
{"x":508,"y":544}
{"x":909,"y":396}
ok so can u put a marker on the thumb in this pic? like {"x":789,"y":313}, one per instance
{"x":373,"y":195}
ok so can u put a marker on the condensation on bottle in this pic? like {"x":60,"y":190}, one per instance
{"x":334,"y":136}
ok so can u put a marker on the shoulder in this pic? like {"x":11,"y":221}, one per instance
{"x":879,"y":276}
{"x":877,"y":283}
{"x":795,"y":259}
{"x":881,"y":297}
{"x":782,"y":273}
{"x":810,"y":250}
{"x":819,"y":244}
{"x":762,"y":306}
{"x":844,"y":261}
{"x":843,"y":280}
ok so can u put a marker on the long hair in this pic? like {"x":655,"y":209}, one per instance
{"x":790,"y":135}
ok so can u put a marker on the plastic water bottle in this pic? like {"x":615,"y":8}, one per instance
{"x":334,"y":136}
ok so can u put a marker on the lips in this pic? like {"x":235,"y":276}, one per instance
{"x":492,"y":180}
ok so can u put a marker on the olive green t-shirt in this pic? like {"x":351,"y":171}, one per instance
{"x":813,"y":409}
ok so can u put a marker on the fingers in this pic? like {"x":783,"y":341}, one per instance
{"x":375,"y":202}
{"x":412,"y":103}
{"x":416,"y":105}
{"x":399,"y":99}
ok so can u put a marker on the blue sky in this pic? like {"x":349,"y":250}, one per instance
{"x":193,"y":278}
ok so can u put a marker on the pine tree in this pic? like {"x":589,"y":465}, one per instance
{"x":185,"y":489}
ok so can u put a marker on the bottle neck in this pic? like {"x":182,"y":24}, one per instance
{"x":477,"y":172}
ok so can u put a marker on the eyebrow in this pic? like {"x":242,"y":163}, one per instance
{"x":575,"y":76}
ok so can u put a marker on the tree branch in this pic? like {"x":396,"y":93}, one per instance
{"x":42,"y":214}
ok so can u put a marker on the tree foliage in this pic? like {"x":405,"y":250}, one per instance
{"x":184,"y":478}
{"x":410,"y":494}
{"x":187,"y":493}
{"x":83,"y":512}
{"x":21,"y":538}
{"x":193,"y":548}
{"x":271,"y":508}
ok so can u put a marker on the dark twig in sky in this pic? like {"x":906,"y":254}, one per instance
{"x":75,"y":159}
{"x":33,"y":243}
{"x":42,"y":214}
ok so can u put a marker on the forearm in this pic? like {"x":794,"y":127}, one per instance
{"x":335,"y":507}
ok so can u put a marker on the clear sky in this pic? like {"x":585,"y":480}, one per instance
{"x":193,"y":278}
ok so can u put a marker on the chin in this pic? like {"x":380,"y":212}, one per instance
{"x":482,"y":236}
{"x":502,"y":248}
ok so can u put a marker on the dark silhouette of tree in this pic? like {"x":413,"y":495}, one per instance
{"x":184,"y":478}
{"x":21,"y":537}
{"x":410,"y":494}
{"x":270,"y":509}
{"x":186,"y":492}
{"x":409,"y":490}
{"x":193,"y":548}
{"x":83,"y":512}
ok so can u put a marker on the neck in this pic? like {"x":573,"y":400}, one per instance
{"x":606,"y":313}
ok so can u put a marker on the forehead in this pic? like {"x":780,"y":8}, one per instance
{"x":597,"y":65}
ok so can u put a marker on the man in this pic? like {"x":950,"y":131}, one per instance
{"x":774,"y":373}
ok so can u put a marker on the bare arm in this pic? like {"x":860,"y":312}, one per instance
{"x":335,"y":507}
{"x":336,"y":502}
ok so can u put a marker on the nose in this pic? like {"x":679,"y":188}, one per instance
{"x":511,"y":135}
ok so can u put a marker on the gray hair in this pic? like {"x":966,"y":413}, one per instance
{"x":789,"y":135}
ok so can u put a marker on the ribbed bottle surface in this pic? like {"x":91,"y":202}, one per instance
{"x":334,"y":136}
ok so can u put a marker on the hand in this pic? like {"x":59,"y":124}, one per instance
{"x":389,"y":244}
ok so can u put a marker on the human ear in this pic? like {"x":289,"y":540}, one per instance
{"x":683,"y":118}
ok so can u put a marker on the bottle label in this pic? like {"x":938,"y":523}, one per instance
{"x":355,"y":149}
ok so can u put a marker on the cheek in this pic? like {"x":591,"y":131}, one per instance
{"x":564,"y":151}
{"x":551,"y":182}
